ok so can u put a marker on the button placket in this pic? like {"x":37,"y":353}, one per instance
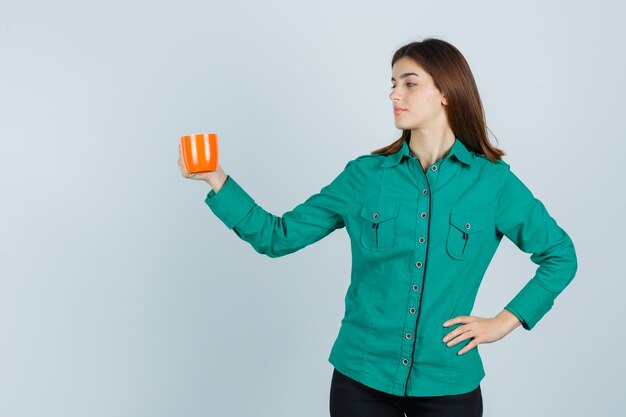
{"x":422,"y":233}
{"x":423,"y":205}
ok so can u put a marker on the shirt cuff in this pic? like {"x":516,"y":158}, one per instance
{"x":231,"y":204}
{"x":531,"y":304}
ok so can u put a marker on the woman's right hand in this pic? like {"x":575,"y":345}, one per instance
{"x":214,"y":178}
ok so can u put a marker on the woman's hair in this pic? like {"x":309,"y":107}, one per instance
{"x":452,"y":76}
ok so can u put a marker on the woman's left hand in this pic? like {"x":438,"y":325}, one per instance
{"x":479,"y":329}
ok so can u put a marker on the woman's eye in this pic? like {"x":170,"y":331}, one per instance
{"x":409,"y":84}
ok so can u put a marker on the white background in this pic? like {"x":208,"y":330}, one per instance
{"x":121,"y":294}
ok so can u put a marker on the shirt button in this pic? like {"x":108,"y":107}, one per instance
{"x":425,"y":191}
{"x":408,"y":335}
{"x":375,"y":215}
{"x":405,"y":361}
{"x":418,"y":264}
{"x":467,"y":225}
{"x":421,"y":240}
{"x":433,"y":167}
{"x":423,"y":215}
{"x":412,"y":310}
{"x":415,"y":288}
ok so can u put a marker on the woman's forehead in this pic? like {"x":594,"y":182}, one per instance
{"x":407,"y":68}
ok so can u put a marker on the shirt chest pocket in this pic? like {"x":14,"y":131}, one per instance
{"x":464,"y":233}
{"x":379,"y":225}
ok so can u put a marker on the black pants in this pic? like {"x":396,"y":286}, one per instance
{"x":350,"y":398}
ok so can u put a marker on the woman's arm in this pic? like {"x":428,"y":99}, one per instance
{"x":509,"y":321}
{"x":526,"y":222}
{"x":216,"y":179}
{"x":273,"y":235}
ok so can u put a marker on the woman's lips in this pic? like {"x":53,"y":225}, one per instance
{"x":398,"y":111}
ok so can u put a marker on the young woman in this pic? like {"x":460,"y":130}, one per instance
{"x":425,"y":216}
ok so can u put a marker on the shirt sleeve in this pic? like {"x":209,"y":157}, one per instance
{"x":526,"y":222}
{"x":275,"y":236}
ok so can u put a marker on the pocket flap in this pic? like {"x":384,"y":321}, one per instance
{"x":467,"y":221}
{"x":377,"y":212}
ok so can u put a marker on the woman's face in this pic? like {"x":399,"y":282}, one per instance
{"x":413,"y":89}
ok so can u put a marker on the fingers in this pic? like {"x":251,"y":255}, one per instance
{"x":183,"y":171}
{"x":469,"y":346}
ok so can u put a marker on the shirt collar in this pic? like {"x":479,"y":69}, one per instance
{"x":458,"y":149}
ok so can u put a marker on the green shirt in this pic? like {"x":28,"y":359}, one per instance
{"x":421,"y":243}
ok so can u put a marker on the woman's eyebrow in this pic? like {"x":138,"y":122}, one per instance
{"x":406,"y":74}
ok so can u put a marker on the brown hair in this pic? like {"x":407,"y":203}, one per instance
{"x":453,"y":77}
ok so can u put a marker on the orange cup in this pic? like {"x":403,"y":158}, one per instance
{"x":199,"y":152}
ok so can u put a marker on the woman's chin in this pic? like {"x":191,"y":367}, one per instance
{"x":402,"y":126}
